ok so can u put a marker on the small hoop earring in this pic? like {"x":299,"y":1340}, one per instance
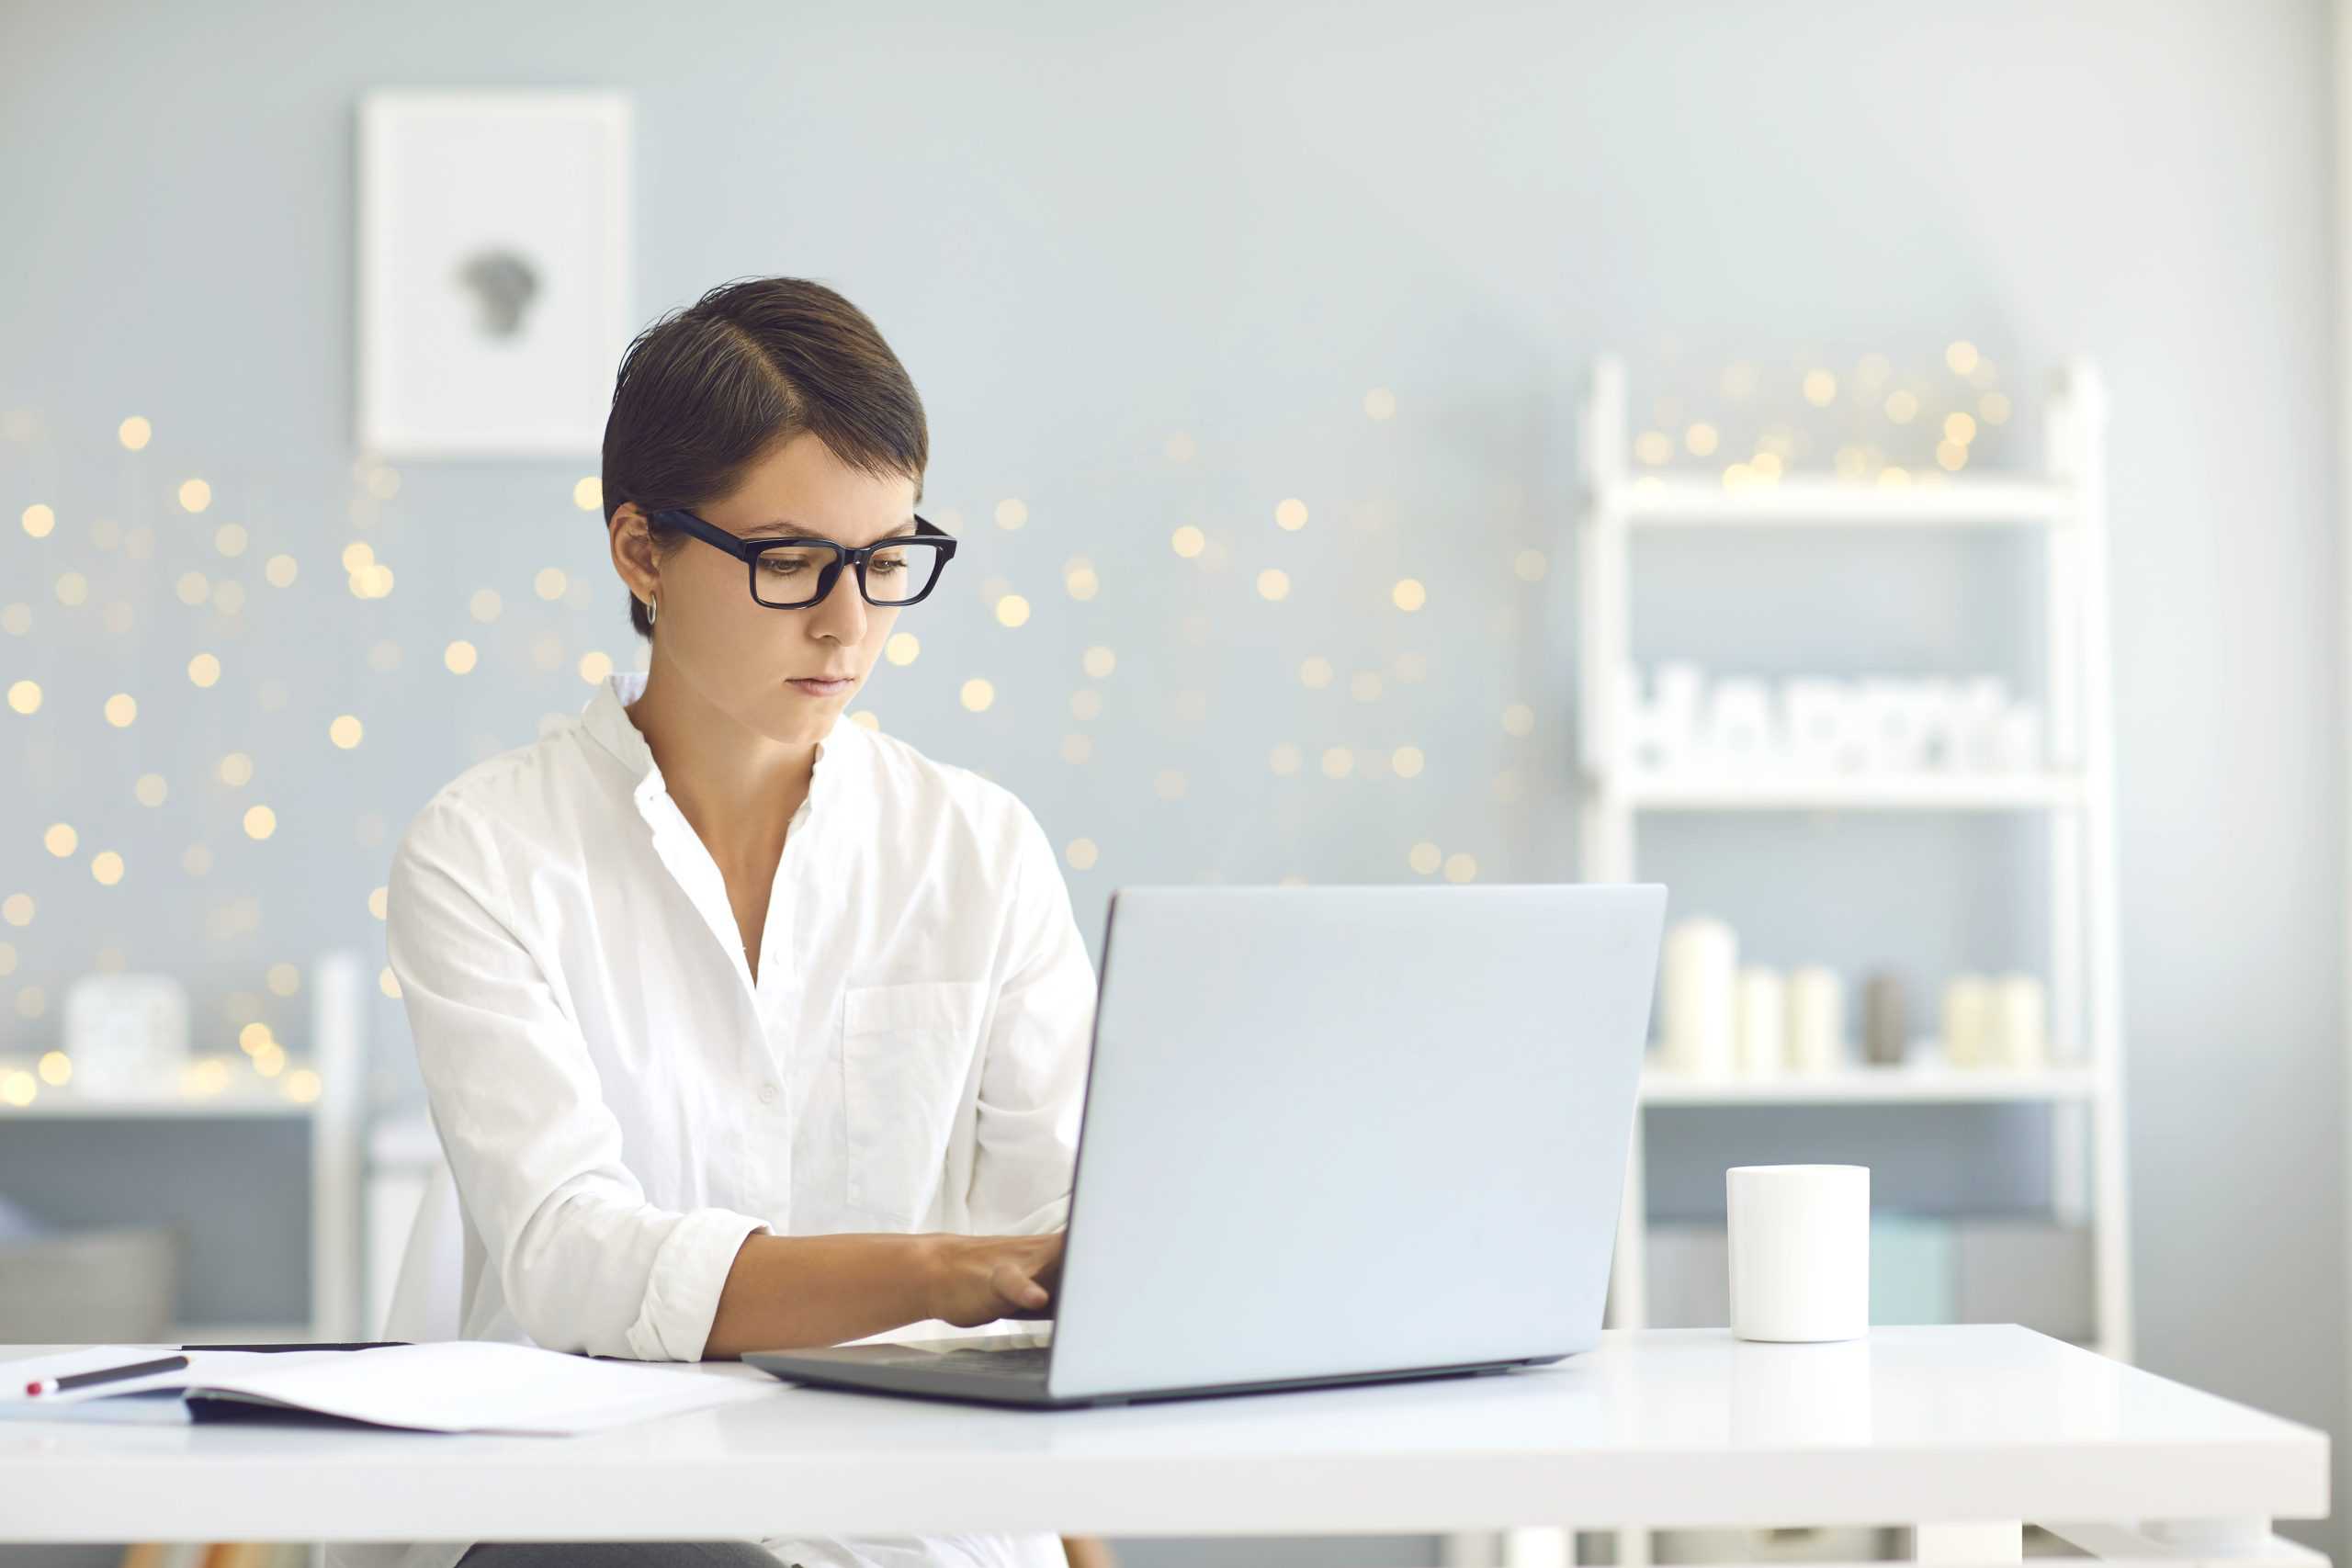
{"x":652,"y":610}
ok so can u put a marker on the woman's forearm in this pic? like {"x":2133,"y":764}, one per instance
{"x":789,"y":1293}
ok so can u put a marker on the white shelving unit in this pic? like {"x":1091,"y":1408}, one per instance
{"x":1876,"y":1085}
{"x":336,"y":1053}
{"x":2068,"y":507}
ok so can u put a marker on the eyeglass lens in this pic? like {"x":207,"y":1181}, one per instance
{"x":788,"y":576}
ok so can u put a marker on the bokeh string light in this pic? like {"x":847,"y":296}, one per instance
{"x":1864,"y":421}
{"x":1333,"y":644}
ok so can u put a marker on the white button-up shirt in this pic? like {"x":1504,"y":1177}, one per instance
{"x":622,"y":1101}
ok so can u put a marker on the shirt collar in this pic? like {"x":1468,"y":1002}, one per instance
{"x":605,"y":718}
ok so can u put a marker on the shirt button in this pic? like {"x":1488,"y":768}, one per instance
{"x":767,"y":1094}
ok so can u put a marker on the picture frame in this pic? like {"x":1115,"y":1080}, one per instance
{"x":495,"y":284}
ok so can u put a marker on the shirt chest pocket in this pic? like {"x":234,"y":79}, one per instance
{"x":906,"y":1052}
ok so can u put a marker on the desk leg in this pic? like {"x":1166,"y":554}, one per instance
{"x":2003,"y":1540}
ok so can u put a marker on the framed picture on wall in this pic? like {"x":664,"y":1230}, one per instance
{"x":494,"y":280}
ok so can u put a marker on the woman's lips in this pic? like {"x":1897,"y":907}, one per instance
{"x":824,"y":688}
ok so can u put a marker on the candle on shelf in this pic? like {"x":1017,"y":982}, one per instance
{"x":1967,"y":1021}
{"x":1816,"y":1019}
{"x":1702,"y":957}
{"x":1763,"y":1010}
{"x":1883,"y":1034}
{"x":2018,"y":1035}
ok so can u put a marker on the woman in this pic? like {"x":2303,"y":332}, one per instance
{"x":744,"y":1026}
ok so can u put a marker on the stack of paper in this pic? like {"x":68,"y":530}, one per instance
{"x":455,"y":1386}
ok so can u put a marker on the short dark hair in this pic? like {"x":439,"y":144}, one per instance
{"x":711,"y":389}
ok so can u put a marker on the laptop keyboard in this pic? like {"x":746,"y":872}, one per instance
{"x":1017,"y":1362}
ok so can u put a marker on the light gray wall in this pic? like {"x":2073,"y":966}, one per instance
{"x":1087,"y":228}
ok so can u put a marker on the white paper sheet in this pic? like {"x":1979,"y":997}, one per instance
{"x":456,"y":1386}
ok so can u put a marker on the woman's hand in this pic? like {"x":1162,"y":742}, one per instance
{"x":979,"y":1279}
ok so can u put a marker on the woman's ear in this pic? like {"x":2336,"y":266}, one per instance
{"x":633,"y":555}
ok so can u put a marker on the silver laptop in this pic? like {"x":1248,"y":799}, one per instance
{"x":1330,"y":1136}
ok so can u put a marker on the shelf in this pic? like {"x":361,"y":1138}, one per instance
{"x":1920,"y":791}
{"x":1627,"y":777}
{"x":1872,"y":1085}
{"x":64,"y":1103}
{"x":1655,"y":500}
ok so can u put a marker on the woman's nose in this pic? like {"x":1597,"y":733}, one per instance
{"x":842,"y":613}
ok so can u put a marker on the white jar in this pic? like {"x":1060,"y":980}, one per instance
{"x":1800,"y":1244}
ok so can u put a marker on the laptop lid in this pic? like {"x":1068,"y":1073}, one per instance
{"x":1351,"y":1129}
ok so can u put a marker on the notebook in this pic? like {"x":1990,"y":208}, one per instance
{"x":463,"y":1385}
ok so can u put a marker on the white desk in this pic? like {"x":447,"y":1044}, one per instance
{"x":1964,"y":1431}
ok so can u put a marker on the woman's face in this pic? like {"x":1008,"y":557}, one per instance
{"x":741,"y":656}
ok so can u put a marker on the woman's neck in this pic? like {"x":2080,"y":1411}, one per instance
{"x":737,"y":787}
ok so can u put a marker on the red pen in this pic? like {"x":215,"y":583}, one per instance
{"x":104,"y":1374}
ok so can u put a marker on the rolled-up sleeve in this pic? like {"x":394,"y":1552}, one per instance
{"x":1033,"y":1077}
{"x":585,"y":1262}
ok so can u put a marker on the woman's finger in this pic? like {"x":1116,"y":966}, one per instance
{"x":1017,"y":1286}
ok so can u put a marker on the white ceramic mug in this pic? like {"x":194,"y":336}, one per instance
{"x":1799,"y":1238}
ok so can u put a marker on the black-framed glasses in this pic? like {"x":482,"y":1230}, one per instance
{"x":793,"y":573}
